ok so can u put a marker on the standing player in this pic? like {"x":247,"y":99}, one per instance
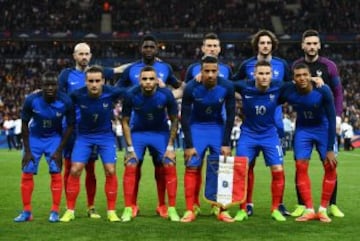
{"x":204,"y":128}
{"x":42,"y":116}
{"x":148,"y":106}
{"x":165,"y":75}
{"x":264,"y":43}
{"x":210,"y":46}
{"x":325,"y":69}
{"x":315,"y":123}
{"x":259,"y":132}
{"x":71,"y":79}
{"x":95,"y":102}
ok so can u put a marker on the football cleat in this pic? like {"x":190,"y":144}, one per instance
{"x":277,"y":216}
{"x":173,"y":215}
{"x":127,"y":214}
{"x":241,"y":215}
{"x":54,"y":217}
{"x":68,"y":216}
{"x":93,"y":214}
{"x":335,"y":211}
{"x":24,"y":216}
{"x":283,"y":210}
{"x":188,"y":217}
{"x":250,"y":209}
{"x":225,"y":217}
{"x":323,"y":217}
{"x":299,"y":210}
{"x":308,"y":215}
{"x":112,"y":216}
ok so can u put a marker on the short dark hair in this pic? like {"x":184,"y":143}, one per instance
{"x":209,"y":59}
{"x":262,"y":63}
{"x":95,"y":69}
{"x":310,"y":33}
{"x":148,"y":37}
{"x":212,"y":36}
{"x":49,"y":76}
{"x":301,"y":66}
{"x":264,"y":32}
{"x":147,"y":68}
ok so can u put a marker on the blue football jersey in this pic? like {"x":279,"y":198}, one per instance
{"x":131,"y":74}
{"x":314,"y":109}
{"x":149,"y":113}
{"x":204,"y":106}
{"x":258,"y":107}
{"x":96,"y":113}
{"x":46,"y":118}
{"x":280,"y":70}
{"x":195,"y":69}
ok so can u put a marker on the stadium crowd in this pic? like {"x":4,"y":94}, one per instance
{"x":199,"y":16}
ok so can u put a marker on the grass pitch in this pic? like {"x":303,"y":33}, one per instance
{"x":148,"y":226}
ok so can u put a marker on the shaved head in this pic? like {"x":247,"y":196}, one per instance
{"x":82,"y":47}
{"x":82,"y":56}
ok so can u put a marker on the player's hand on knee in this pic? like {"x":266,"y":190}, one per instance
{"x":331,"y":159}
{"x":57,"y":157}
{"x":26,"y":159}
{"x":130,"y":159}
{"x":189,"y":153}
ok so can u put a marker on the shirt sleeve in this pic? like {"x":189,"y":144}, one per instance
{"x":186,"y":108}
{"x":230,"y":114}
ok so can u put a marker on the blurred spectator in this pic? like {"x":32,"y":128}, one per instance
{"x":347,"y":133}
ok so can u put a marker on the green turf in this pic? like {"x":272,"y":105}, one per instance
{"x":148,"y":226}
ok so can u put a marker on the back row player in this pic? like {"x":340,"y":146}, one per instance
{"x":166,"y":77}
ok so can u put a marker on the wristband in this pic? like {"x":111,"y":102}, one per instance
{"x":130,"y":149}
{"x":170,"y":148}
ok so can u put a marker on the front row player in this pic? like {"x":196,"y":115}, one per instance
{"x":148,"y":106}
{"x":204,"y":128}
{"x":94,"y":129}
{"x":315,"y":124}
{"x":46,"y":110}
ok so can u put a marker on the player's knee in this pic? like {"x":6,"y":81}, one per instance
{"x":110,"y":171}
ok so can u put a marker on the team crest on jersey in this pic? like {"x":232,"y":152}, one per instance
{"x":272,"y":97}
{"x":83,"y":107}
{"x":161,"y":76}
{"x":105,"y":105}
{"x":318,"y":73}
{"x":58,"y":114}
{"x":221,"y":100}
{"x":160,"y":106}
{"x":276,"y":73}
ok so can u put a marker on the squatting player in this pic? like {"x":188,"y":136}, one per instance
{"x":146,"y":109}
{"x":166,"y":77}
{"x":204,"y":127}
